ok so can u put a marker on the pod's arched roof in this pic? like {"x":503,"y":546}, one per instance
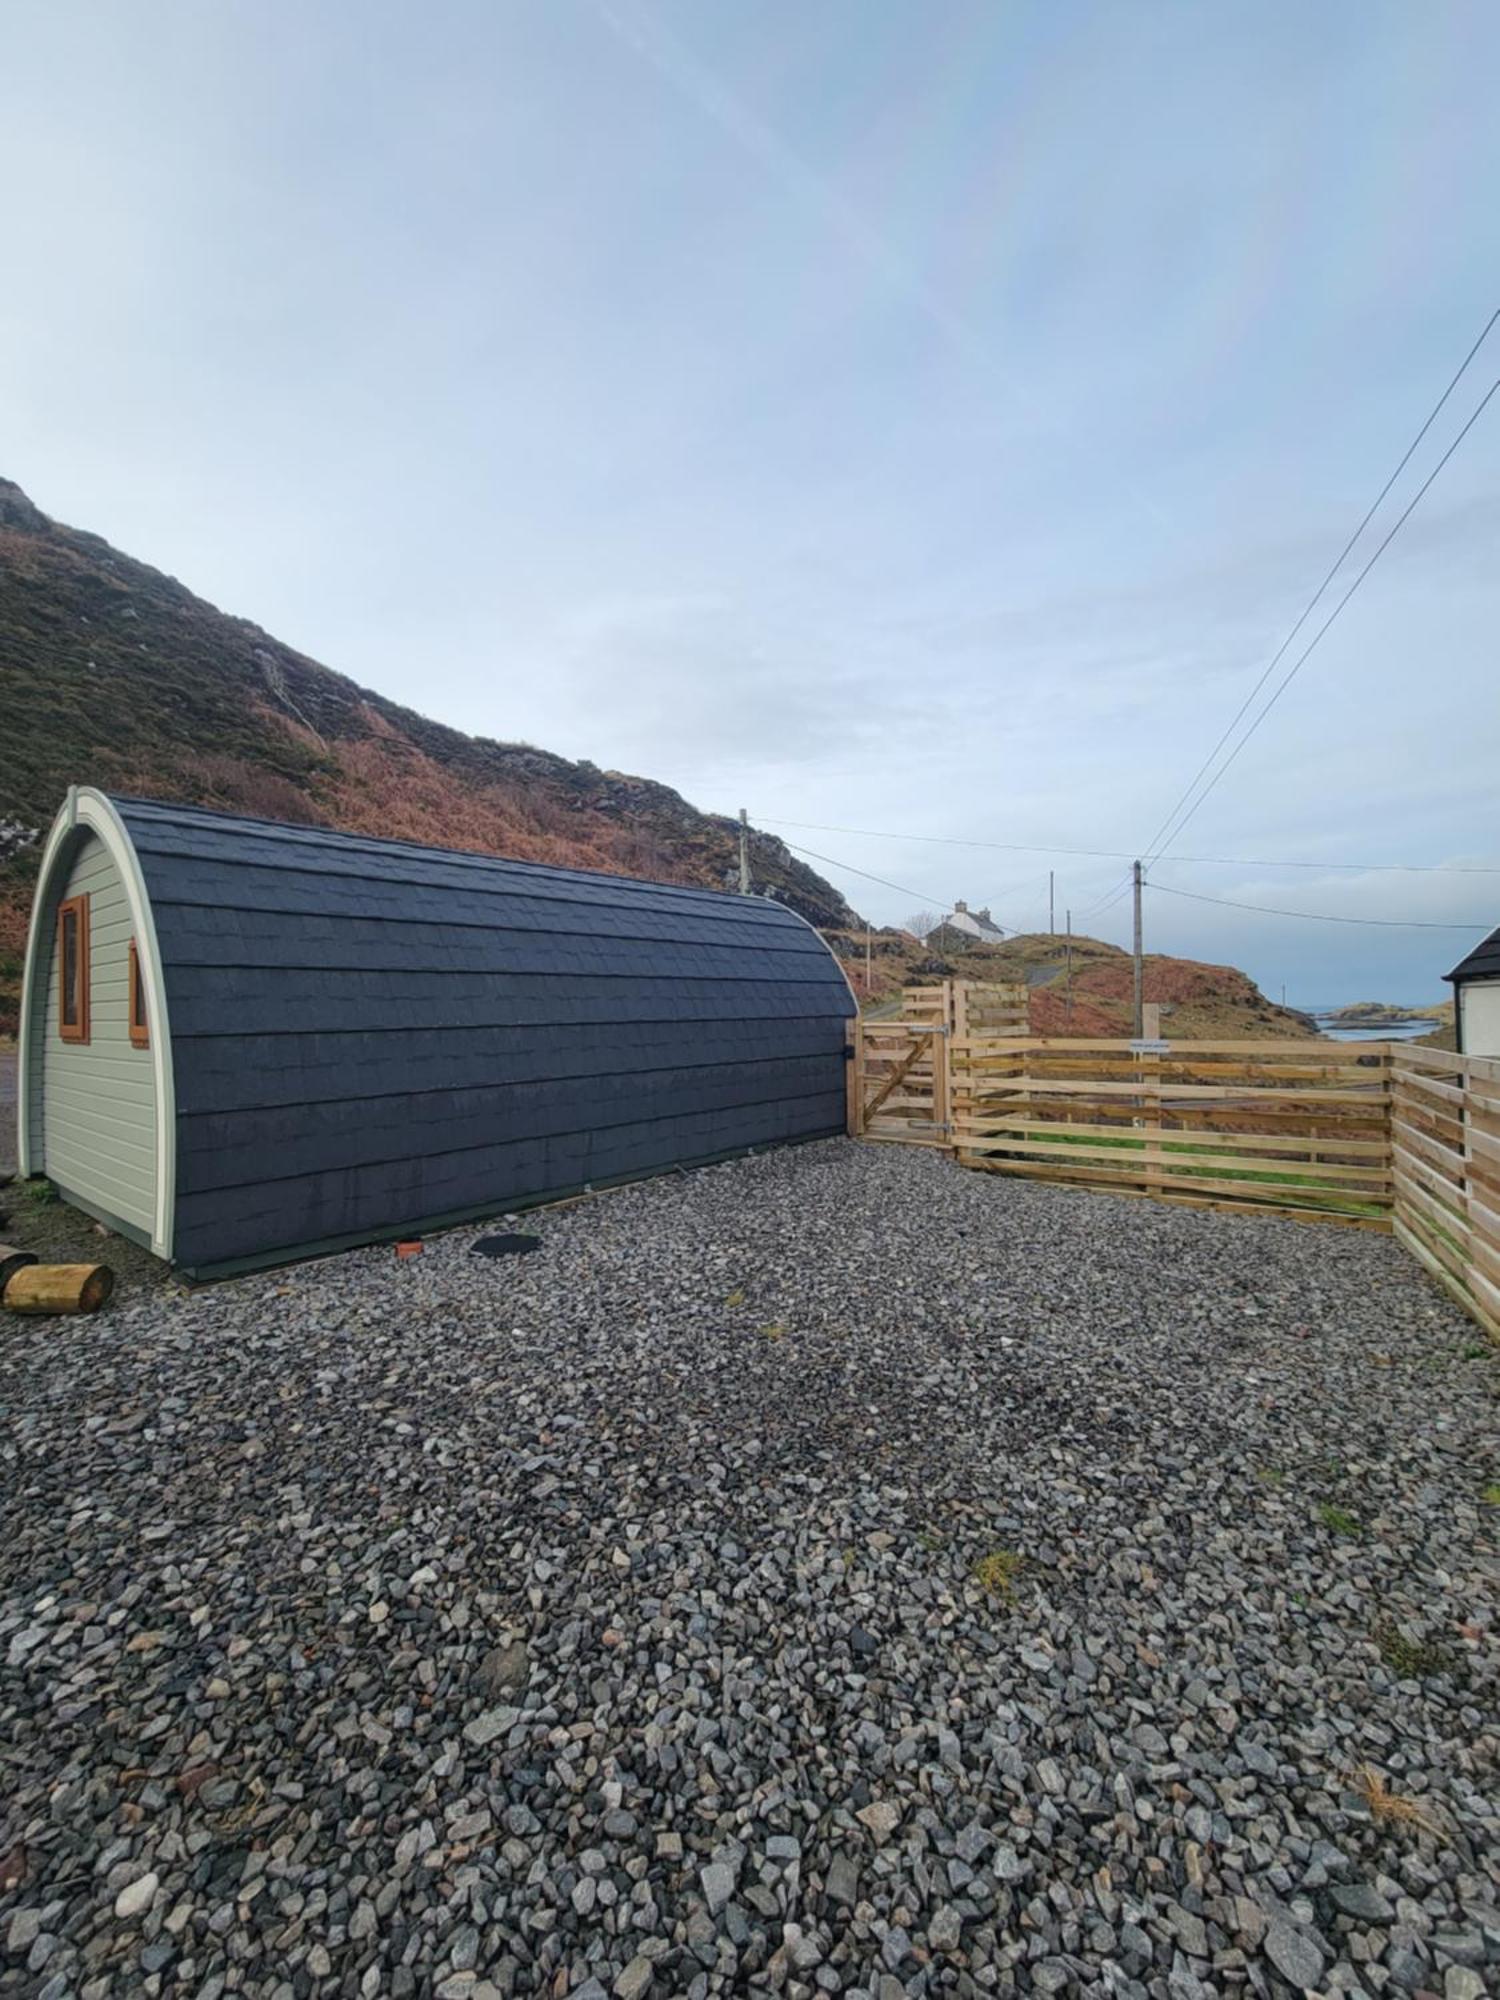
{"x":365,"y":1030}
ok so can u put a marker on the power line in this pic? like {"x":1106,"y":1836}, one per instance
{"x":1296,"y":668}
{"x":1163,"y":832}
{"x":947,"y":840}
{"x":1106,"y":900}
{"x":1319,"y":916}
{"x":1127,"y":854}
{"x":1103,"y":909}
{"x":918,"y":895}
{"x":1160,"y":888}
{"x":828,"y":861}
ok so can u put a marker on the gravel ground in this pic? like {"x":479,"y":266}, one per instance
{"x":612,"y":1620}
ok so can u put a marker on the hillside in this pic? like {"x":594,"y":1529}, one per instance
{"x":113,"y":674}
{"x":1199,"y":1002}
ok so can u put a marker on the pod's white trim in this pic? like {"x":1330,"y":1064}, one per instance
{"x":86,"y":807}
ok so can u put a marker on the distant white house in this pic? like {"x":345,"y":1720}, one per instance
{"x":977,"y":924}
{"x":1476,"y":999}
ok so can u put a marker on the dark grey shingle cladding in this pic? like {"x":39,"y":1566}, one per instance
{"x":370,"y":1037}
{"x":1483,"y":962}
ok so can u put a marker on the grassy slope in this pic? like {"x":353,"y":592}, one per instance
{"x":114,"y":674}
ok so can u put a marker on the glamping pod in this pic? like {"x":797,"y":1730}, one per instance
{"x":243,"y":1042}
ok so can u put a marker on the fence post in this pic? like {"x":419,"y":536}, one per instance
{"x":854,"y":1075}
{"x":942,"y":1098}
{"x":1151,"y":1105}
{"x":958,"y":1007}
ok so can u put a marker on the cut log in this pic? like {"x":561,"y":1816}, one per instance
{"x":12,"y":1259}
{"x":58,"y":1288}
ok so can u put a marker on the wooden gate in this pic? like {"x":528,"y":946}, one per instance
{"x":901,"y":1081}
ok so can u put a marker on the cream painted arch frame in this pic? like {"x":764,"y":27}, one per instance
{"x":85,"y":807}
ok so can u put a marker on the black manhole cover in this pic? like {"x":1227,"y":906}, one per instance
{"x":506,"y":1246}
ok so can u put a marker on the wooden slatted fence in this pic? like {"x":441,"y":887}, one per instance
{"x":1300,"y":1128}
{"x":1445,"y":1131}
{"x":970,"y":1006}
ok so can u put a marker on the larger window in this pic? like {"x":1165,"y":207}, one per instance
{"x":73,"y":969}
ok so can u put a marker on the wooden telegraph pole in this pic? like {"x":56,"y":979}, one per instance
{"x":1135,"y":876}
{"x":744,"y":852}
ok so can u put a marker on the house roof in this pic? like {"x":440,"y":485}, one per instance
{"x":1483,"y":962}
{"x":973,"y":923}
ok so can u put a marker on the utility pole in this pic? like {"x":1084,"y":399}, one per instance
{"x":1051,"y":904}
{"x":868,"y":981}
{"x":744,"y":852}
{"x":1135,"y":876}
{"x":1069,"y":974}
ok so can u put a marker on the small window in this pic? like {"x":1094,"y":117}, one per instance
{"x":73,"y":969}
{"x":140,"y":1032}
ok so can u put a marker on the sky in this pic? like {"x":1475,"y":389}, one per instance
{"x":896,"y":419}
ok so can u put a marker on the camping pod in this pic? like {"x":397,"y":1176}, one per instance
{"x":244,"y":1042}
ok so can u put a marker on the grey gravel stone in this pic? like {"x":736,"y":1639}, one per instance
{"x":24,"y":1926}
{"x":635,"y":1979}
{"x":1294,"y":1954}
{"x":843,"y":1880}
{"x":882,"y":1817}
{"x":1360,"y":1899}
{"x":494,"y":1722}
{"x":944,"y":1928}
{"x":137,"y":1896}
{"x":718,"y":1881}
{"x":1461,"y":1982}
{"x":683,"y":1676}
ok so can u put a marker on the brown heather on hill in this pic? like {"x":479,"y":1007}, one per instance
{"x":1200,"y":1002}
{"x":116,"y":675}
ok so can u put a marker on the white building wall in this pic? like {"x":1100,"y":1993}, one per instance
{"x":1479,"y":1017}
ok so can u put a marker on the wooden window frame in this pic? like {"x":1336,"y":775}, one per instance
{"x":78,"y":908}
{"x":140,"y":1026}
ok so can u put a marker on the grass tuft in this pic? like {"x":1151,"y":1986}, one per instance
{"x":1388,"y":1808}
{"x":1338,"y":1520}
{"x":996,"y":1574}
{"x":1491,"y":1496}
{"x":1413,"y":1659}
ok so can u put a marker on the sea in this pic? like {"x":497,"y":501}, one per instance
{"x":1398,"y":1031}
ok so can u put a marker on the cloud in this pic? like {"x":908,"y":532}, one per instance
{"x":643,"y":32}
{"x":699,"y":677}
